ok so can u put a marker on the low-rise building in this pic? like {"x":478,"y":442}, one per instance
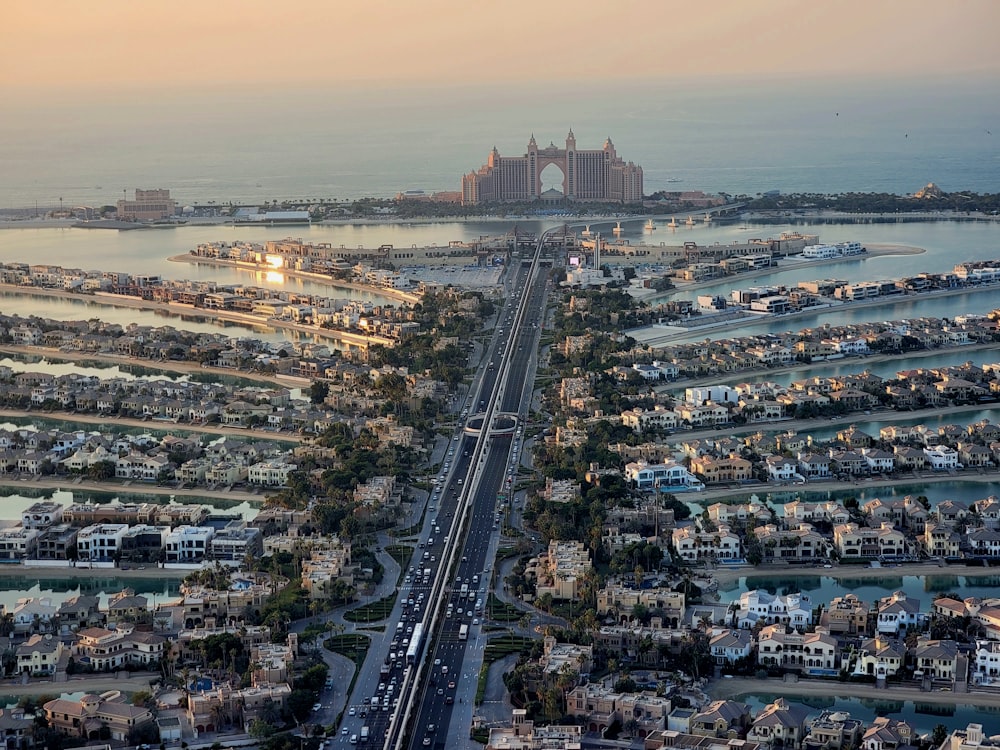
{"x":92,"y":715}
{"x":780,"y":724}
{"x":811,"y":653}
{"x":39,"y":655}
{"x":559,"y":571}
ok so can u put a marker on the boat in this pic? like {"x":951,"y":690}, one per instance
{"x":586,"y":232}
{"x":690,"y":222}
{"x":708,"y":218}
{"x":650,"y":226}
{"x":673,"y":223}
{"x":618,"y":228}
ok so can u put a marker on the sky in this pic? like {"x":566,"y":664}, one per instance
{"x":48,"y":45}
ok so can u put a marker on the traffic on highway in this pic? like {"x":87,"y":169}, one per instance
{"x":428,"y":655}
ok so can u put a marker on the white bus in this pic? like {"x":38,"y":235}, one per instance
{"x":463,"y":632}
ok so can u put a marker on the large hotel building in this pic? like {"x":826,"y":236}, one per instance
{"x":598,"y":175}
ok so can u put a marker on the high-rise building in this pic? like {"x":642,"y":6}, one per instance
{"x":595,"y":175}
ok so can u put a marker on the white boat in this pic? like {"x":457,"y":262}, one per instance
{"x":618,"y":228}
{"x":650,"y":226}
{"x":586,"y":232}
{"x":673,"y":223}
{"x":690,"y":222}
{"x":708,"y":218}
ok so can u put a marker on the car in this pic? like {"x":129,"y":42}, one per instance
{"x":475,"y":621}
{"x":437,"y":662}
{"x":440,"y":691}
{"x":317,"y":707}
{"x":449,"y":700}
{"x":469,"y":613}
{"x":352,"y":712}
{"x":451,"y":685}
{"x":343,"y":731}
{"x":426,"y":742}
{"x":430,"y":728}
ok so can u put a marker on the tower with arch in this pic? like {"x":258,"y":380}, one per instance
{"x":587,"y":175}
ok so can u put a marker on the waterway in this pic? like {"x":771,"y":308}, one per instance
{"x":935,"y":492}
{"x":923,"y":717}
{"x":883,"y":368}
{"x":47,"y":584}
{"x":78,"y":307}
{"x":823,"y":589}
{"x":15,"y":499}
{"x":148,"y":250}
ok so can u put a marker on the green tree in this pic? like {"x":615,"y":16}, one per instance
{"x":260,"y":729}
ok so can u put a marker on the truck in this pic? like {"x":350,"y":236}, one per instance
{"x":364,"y":734}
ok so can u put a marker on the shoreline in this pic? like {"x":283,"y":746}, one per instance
{"x":391,"y":294}
{"x":763,"y":218}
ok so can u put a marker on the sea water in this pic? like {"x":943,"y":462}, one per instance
{"x":718,"y":135}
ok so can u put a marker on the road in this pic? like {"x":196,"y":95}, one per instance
{"x":447,"y":702}
{"x":386,"y":680}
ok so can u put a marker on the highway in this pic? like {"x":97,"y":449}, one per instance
{"x":408,"y":705}
{"x":445,"y":699}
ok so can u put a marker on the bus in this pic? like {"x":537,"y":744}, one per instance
{"x":463,"y":632}
{"x":413,"y":650}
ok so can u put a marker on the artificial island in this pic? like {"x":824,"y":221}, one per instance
{"x":535,"y":491}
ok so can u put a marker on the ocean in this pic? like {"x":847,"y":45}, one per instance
{"x":717,"y":135}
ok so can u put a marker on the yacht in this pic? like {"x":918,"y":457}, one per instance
{"x":690,"y":222}
{"x":618,"y":228}
{"x":586,"y":232}
{"x":650,"y":226}
{"x":708,"y":218}
{"x":673,"y":223}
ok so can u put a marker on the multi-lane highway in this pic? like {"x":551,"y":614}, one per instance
{"x":414,"y":676}
{"x":452,"y":667}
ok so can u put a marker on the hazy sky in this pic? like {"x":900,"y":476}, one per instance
{"x":125,"y":43}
